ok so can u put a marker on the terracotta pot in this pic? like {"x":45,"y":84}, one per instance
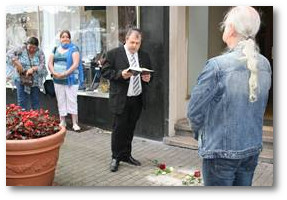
{"x":33,"y":162}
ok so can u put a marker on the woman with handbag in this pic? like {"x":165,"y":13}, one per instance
{"x":29,"y":63}
{"x":66,"y":69}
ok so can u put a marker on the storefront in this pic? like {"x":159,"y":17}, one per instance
{"x":96,"y":30}
{"x":179,"y":40}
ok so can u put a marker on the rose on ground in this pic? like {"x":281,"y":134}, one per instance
{"x":162,"y":166}
{"x":196,"y":173}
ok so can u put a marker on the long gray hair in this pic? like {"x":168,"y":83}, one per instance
{"x":246,"y":22}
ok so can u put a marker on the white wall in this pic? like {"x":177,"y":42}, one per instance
{"x":197,"y":42}
{"x":178,"y":63}
{"x":188,"y":53}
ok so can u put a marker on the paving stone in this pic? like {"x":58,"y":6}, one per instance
{"x":85,"y":157}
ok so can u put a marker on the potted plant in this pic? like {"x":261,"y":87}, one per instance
{"x":33,"y":140}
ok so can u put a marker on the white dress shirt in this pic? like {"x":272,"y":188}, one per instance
{"x":130,"y":90}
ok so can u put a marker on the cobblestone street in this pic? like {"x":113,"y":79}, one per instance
{"x":85,"y":158}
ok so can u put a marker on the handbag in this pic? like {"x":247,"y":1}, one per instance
{"x":49,"y":88}
{"x":49,"y":84}
{"x":26,"y":80}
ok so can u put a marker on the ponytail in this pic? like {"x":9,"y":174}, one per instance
{"x":246,"y":22}
{"x":250,"y":50}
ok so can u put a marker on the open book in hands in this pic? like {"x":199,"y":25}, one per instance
{"x":139,"y":70}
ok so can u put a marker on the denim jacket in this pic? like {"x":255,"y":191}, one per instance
{"x":225,"y":122}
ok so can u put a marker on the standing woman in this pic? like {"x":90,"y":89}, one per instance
{"x":227,"y":105}
{"x":64,"y":66}
{"x":29,"y":60}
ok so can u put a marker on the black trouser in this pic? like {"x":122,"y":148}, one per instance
{"x":124,"y":126}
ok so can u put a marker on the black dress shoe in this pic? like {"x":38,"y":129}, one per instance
{"x":114,"y":165}
{"x":132,"y":161}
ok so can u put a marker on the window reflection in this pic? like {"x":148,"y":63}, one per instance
{"x":20,"y":23}
{"x":94,"y":29}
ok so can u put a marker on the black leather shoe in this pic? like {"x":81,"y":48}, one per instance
{"x":132,"y":161}
{"x":114,"y":165}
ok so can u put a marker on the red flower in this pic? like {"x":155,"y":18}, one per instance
{"x":28,"y":124}
{"x":196,"y":173}
{"x":22,"y":125}
{"x":162,"y":166}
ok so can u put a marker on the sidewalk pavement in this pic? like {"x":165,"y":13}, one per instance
{"x":85,"y":157}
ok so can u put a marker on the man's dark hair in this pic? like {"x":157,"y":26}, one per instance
{"x":134,"y":29}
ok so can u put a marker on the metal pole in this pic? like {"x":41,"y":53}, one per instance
{"x":138,"y":16}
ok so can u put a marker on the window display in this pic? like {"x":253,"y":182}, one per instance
{"x":94,"y":29}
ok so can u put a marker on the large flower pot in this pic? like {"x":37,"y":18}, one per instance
{"x":33,"y":162}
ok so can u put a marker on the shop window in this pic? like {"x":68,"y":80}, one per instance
{"x":21,"y":22}
{"x":94,"y":29}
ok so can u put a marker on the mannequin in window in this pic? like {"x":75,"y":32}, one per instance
{"x":15,"y":33}
{"x":90,"y":37}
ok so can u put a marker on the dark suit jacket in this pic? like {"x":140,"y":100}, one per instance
{"x":116,"y":62}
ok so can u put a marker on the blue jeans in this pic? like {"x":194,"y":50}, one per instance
{"x":229,"y":172}
{"x":27,"y":101}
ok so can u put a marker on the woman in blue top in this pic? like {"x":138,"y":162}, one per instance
{"x":30,"y":60}
{"x":64,"y":65}
{"x":227,"y":105}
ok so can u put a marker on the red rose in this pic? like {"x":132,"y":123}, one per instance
{"x":196,"y":173}
{"x":162,"y":166}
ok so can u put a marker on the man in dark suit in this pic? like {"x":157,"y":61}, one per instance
{"x":127,"y":94}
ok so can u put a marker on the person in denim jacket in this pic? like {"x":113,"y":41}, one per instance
{"x":227,"y":105}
